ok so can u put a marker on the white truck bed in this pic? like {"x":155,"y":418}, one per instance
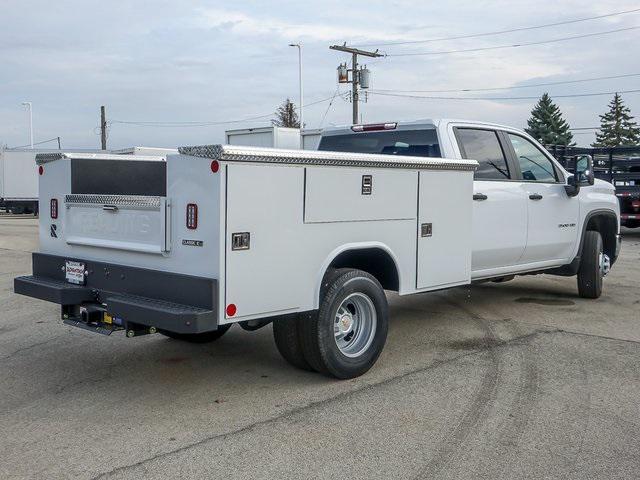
{"x":301,"y":210}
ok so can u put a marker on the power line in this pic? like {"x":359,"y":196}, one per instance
{"x":54,"y":139}
{"x":143,"y":123}
{"x":515,"y":45}
{"x":330,"y":104}
{"x":189,"y":124}
{"x":500,"y":32}
{"x":374,"y":92}
{"x":512,"y":87}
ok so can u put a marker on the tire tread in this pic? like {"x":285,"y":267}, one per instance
{"x":589,"y":281}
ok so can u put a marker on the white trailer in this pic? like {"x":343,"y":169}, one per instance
{"x":311,"y":138}
{"x":310,"y":240}
{"x":275,"y":137}
{"x":268,"y":137}
{"x":18,"y":180}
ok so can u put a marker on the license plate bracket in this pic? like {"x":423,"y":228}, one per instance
{"x":74,"y":272}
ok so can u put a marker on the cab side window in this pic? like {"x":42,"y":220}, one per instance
{"x":483,"y":146}
{"x":535,"y":165}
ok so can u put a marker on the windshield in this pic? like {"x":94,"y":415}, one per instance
{"x":416,"y":143}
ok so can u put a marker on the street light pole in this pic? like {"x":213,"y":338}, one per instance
{"x":30,"y":105}
{"x":300,"y":86}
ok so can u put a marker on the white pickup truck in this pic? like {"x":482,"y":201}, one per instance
{"x":187,"y":244}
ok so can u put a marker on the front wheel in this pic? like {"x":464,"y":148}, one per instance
{"x":345,"y":337}
{"x":594,"y":265}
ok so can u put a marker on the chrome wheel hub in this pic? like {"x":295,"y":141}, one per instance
{"x":604,"y":263}
{"x":345,"y":324}
{"x":355,"y":324}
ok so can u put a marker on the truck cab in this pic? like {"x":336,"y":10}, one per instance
{"x":526,"y":215}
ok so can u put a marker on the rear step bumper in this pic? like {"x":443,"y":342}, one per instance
{"x":167,"y":301}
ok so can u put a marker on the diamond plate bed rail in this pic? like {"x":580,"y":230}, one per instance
{"x":233,"y":153}
{"x":132,"y":201}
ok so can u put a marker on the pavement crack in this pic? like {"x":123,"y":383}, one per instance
{"x":23,"y":349}
{"x":593,"y":335}
{"x":313,"y":405}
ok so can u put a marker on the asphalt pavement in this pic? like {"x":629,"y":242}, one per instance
{"x":516,"y":380}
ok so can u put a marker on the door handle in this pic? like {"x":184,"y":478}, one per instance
{"x":535,"y":196}
{"x":479,"y":196}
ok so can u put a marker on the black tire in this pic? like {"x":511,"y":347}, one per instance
{"x":319,"y":343}
{"x":287,"y":337}
{"x":589,"y":274}
{"x":205,"y":337}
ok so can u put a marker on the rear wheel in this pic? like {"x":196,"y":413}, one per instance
{"x":345,"y":337}
{"x":205,"y":337}
{"x":594,"y":265}
{"x":286,"y":334}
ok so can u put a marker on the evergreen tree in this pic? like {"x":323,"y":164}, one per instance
{"x":547,"y":125}
{"x":286,"y":115}
{"x":617,"y":127}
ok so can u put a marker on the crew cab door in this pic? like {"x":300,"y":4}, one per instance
{"x":552,"y":215}
{"x":499,"y":206}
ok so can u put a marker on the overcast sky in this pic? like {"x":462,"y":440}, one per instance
{"x":187,"y":61}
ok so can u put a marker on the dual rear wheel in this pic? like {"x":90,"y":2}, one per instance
{"x":346,"y":335}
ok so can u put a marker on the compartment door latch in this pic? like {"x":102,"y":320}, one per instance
{"x":240,"y":241}
{"x":367,"y":184}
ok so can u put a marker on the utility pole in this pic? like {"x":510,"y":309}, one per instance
{"x":355,"y":73}
{"x":29,"y":105}
{"x":299,"y":46}
{"x":103,"y":128}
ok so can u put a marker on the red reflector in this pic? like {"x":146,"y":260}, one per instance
{"x":231,"y":310}
{"x":215,"y":166}
{"x":372,"y":127}
{"x":54,"y":208}
{"x":40,"y":169}
{"x":192,"y":216}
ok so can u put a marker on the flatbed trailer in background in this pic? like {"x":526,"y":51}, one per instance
{"x":619,"y":166}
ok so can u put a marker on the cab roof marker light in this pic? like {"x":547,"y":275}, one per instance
{"x":372,"y":127}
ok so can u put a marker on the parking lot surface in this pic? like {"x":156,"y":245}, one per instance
{"x":515,"y":380}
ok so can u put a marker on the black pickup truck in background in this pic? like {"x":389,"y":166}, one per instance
{"x":619,"y":166}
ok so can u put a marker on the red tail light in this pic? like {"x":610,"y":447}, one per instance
{"x":54,"y":208}
{"x":192,"y":216}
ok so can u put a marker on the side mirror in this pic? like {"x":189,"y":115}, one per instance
{"x":583,"y":170}
{"x":572,"y":187}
